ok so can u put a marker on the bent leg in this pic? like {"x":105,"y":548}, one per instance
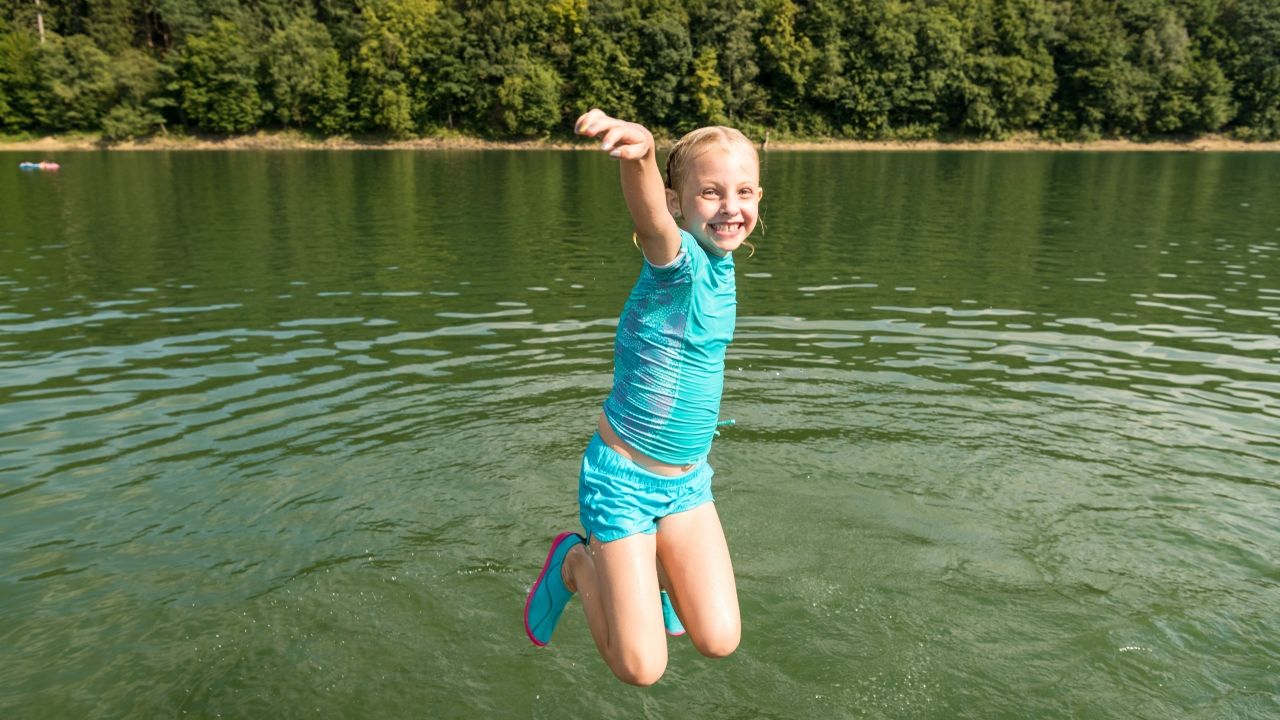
{"x":618,"y":584}
{"x":695,"y":557}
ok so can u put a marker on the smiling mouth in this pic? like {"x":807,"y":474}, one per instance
{"x":726,"y":229}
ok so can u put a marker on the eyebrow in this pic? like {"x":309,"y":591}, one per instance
{"x":742,"y":186}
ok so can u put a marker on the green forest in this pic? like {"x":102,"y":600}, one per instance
{"x":861,"y":69}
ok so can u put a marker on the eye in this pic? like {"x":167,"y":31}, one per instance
{"x":746,"y":192}
{"x":710,"y":193}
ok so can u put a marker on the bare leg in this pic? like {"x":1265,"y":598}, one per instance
{"x":695,"y":556}
{"x":618,"y":584}
{"x":664,"y":583}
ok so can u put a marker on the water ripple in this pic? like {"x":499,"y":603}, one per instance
{"x":321,"y":429}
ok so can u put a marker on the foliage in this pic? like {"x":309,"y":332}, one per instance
{"x":76,"y":85}
{"x":786,"y":59}
{"x":525,"y":68}
{"x":138,"y":107}
{"x":528,"y":100}
{"x":20,"y":95}
{"x":216,"y":84}
{"x":305,"y":77}
{"x":1253,"y":63}
{"x":1009,"y":76}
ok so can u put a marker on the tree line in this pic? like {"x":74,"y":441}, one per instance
{"x":524,"y":68}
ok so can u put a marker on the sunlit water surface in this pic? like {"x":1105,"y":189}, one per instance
{"x":287,"y":434}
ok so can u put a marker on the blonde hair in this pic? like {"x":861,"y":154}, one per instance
{"x":699,"y":141}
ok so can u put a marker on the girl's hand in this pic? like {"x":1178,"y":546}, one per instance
{"x":621,"y":139}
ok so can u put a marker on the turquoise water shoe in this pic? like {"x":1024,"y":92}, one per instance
{"x":548,"y":596}
{"x":675,"y":628}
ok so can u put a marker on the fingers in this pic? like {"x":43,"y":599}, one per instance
{"x":613,"y":136}
{"x":596,"y":124}
{"x":592,"y":123}
{"x":634,"y":151}
{"x":619,"y":138}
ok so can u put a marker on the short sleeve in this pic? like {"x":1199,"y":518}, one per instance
{"x":683,"y":265}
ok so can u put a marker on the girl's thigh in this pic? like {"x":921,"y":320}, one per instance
{"x":695,"y":556}
{"x":626,"y":571}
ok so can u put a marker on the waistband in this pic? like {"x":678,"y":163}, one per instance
{"x":606,"y":459}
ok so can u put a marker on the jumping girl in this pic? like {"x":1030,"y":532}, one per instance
{"x":655,"y":554}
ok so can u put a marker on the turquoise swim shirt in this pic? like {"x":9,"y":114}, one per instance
{"x":668,"y":371}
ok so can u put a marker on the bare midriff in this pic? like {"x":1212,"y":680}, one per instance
{"x":657,"y":467}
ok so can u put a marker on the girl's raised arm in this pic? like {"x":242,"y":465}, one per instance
{"x":642,"y":185}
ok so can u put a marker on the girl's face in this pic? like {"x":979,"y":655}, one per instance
{"x":719,"y":198}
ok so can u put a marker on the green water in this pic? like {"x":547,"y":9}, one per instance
{"x":287,"y":434}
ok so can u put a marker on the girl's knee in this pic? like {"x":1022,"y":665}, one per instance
{"x":641,"y":671}
{"x":719,"y":643}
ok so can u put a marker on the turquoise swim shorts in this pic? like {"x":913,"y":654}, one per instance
{"x":618,"y":498}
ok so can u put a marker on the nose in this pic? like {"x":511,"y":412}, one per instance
{"x":730,"y":204}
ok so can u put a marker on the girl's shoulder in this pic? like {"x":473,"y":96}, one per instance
{"x":684,"y":262}
{"x":692,"y":261}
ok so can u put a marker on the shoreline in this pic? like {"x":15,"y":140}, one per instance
{"x":295,"y":141}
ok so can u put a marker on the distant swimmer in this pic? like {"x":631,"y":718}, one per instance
{"x":39,"y":165}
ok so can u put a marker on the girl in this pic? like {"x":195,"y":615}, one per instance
{"x":644,"y":491}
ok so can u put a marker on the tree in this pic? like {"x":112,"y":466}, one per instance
{"x":110,"y":24}
{"x":415,"y":68}
{"x":935,"y":97}
{"x":601,"y":44}
{"x":730,"y":27}
{"x":663,"y":57}
{"x":1100,"y":90}
{"x":1009,"y":73}
{"x":441,"y":77}
{"x":216,"y":80}
{"x":137,"y":107}
{"x":887,"y":87}
{"x":305,"y":75}
{"x":1190,"y":93}
{"x":508,"y":48}
{"x":830,"y":90}
{"x":75,"y":83}
{"x":528,"y":101}
{"x":1252,"y":64}
{"x":786,"y":61}
{"x":382,"y":90}
{"x":20,"y":93}
{"x":899,"y":68}
{"x":168,"y":23}
{"x":6,"y":73}
{"x":706,"y":83}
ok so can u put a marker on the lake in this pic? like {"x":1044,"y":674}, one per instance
{"x":286,"y":434}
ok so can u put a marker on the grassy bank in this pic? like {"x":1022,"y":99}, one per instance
{"x":287,"y":140}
